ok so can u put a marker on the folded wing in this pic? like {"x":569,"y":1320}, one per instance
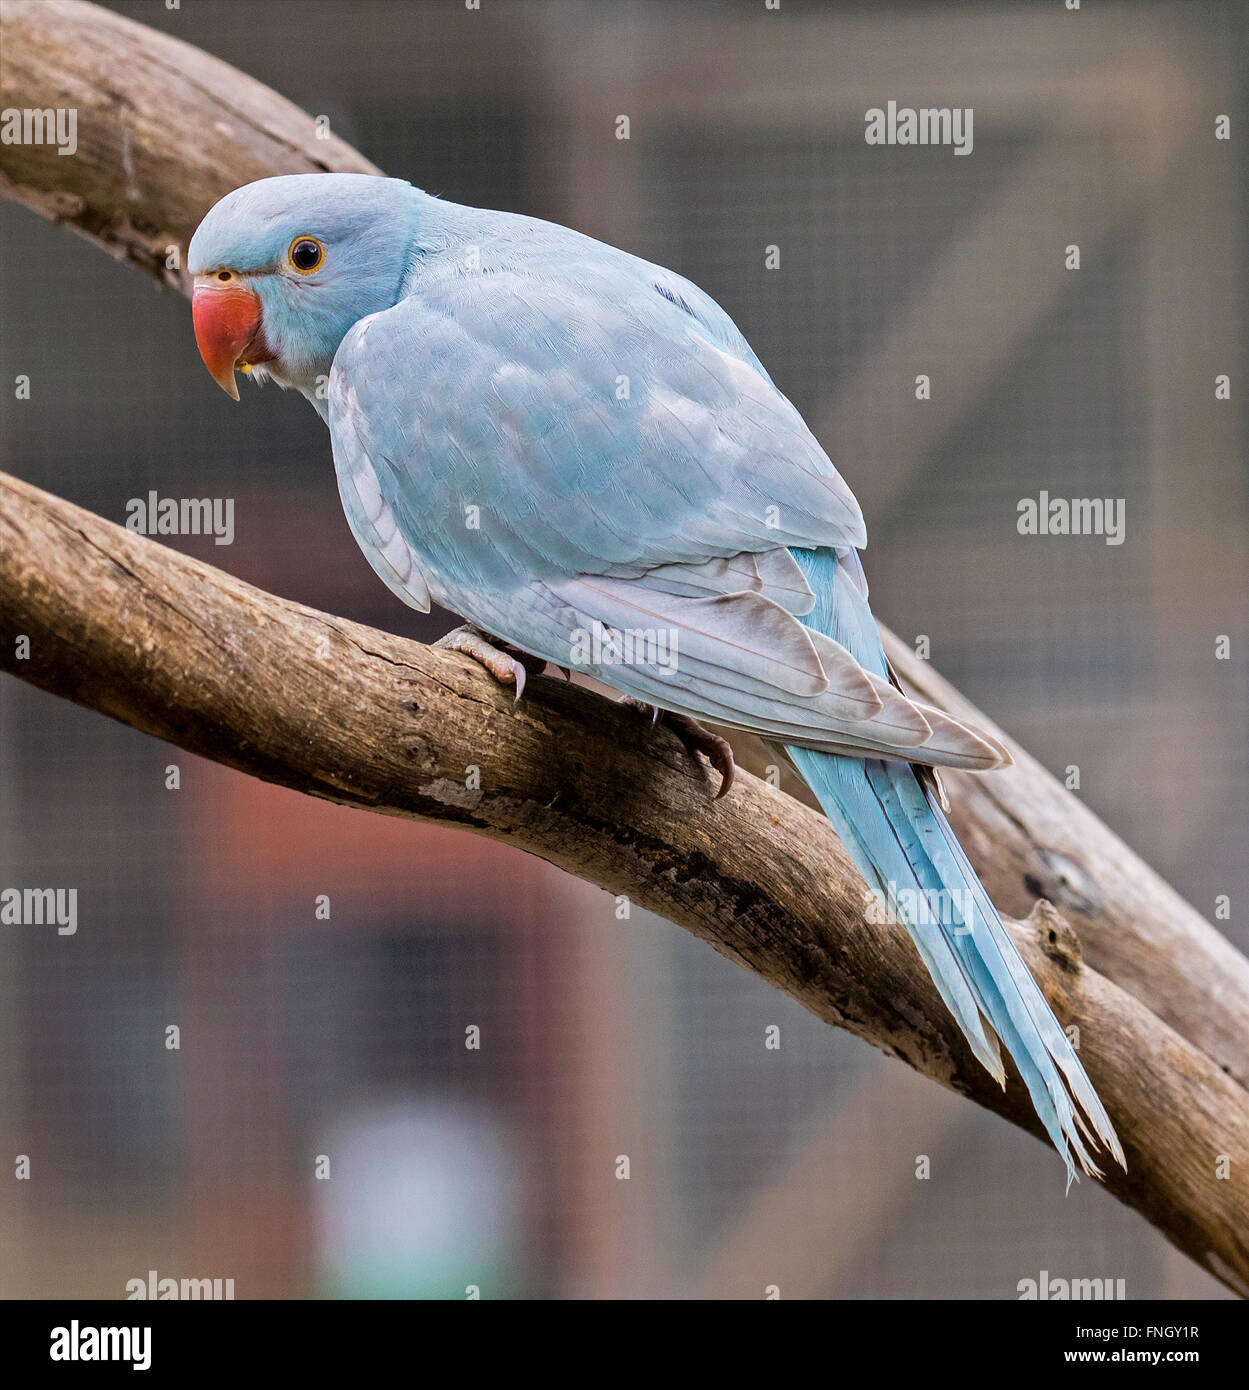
{"x":567,"y":437}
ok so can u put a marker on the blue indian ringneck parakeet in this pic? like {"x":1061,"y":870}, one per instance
{"x":579,"y":453}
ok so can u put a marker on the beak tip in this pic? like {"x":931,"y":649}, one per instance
{"x":226,"y":321}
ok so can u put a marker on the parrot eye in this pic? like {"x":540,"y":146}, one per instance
{"x":305,"y":254}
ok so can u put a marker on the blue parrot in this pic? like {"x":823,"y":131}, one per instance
{"x":579,"y":453}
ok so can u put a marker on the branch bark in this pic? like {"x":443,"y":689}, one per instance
{"x":188,"y":654}
{"x":164,"y":130}
{"x":1030,"y":838}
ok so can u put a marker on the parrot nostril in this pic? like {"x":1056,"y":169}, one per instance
{"x":223,"y":275}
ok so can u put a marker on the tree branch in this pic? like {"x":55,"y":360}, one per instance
{"x":186,"y":653}
{"x":1030,"y":838}
{"x":164,"y":130}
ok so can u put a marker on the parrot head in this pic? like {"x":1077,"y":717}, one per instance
{"x":285,"y":266}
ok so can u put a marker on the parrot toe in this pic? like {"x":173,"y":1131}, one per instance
{"x":718,"y":751}
{"x":507,"y":664}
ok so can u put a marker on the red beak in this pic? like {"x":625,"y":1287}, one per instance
{"x":227,"y":323}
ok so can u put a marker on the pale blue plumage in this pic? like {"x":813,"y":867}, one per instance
{"x":900,"y":840}
{"x":551,"y":437}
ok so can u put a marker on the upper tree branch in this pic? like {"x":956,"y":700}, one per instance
{"x":164,"y":130}
{"x":188,"y":654}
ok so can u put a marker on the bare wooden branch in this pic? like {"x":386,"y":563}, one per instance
{"x":155,"y":153}
{"x":186,"y":653}
{"x":1030,"y":838}
{"x":163,"y":129}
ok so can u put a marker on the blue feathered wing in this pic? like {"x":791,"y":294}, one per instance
{"x":545,"y":434}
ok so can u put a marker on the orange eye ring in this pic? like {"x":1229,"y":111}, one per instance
{"x":305,"y":255}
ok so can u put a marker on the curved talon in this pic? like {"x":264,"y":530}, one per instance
{"x":507,"y":664}
{"x":718,"y":751}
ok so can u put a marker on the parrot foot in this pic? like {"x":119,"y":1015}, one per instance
{"x":507,"y":664}
{"x":716,"y":750}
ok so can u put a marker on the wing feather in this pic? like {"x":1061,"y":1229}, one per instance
{"x":571,"y":436}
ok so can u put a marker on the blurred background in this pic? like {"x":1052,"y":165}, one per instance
{"x":302,"y":1037}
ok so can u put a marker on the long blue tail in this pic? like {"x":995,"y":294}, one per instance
{"x":893,"y":828}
